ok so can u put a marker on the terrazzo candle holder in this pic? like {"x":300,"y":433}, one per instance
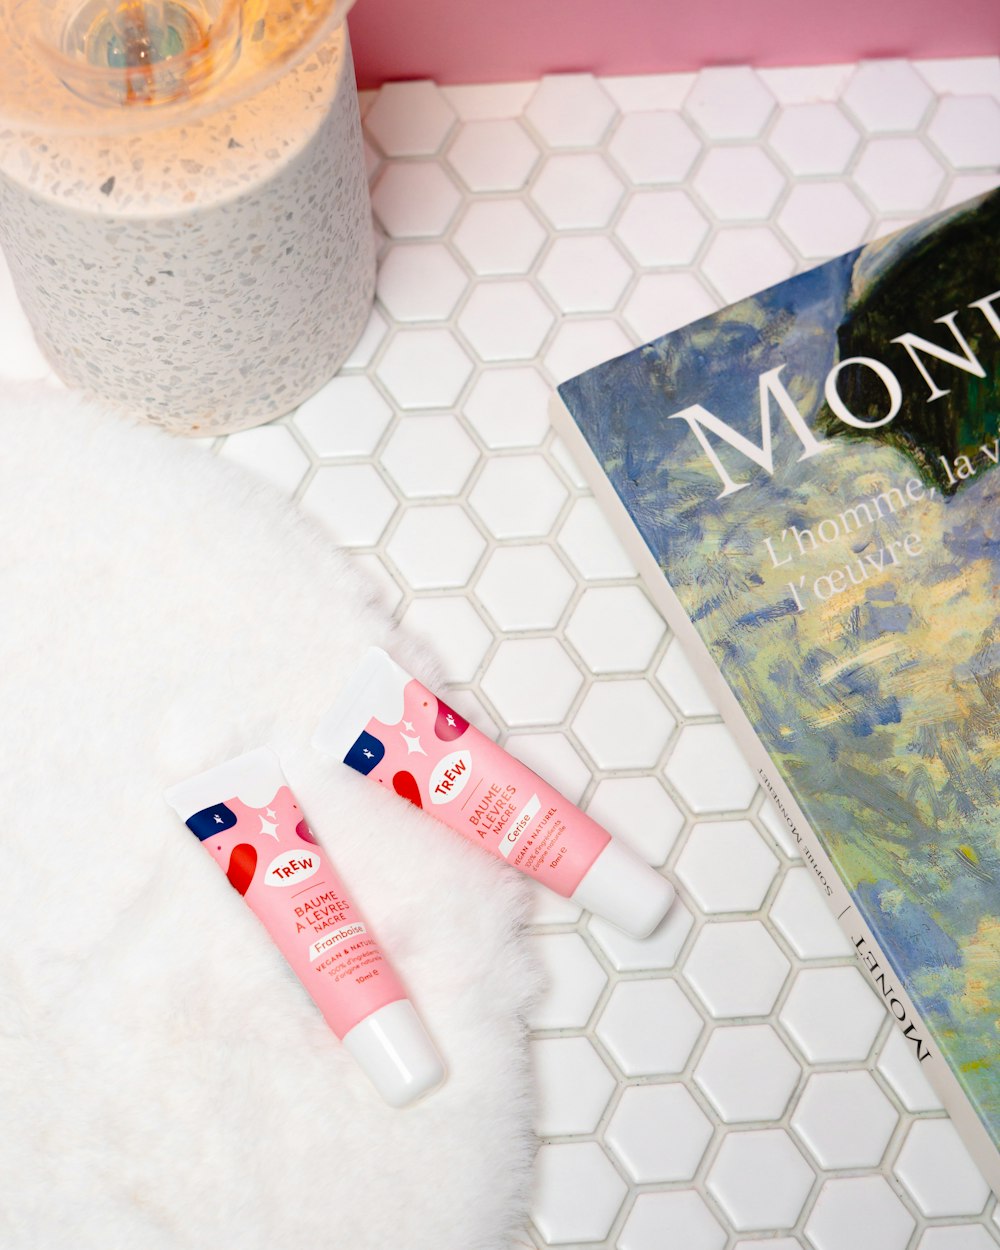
{"x":209,"y":275}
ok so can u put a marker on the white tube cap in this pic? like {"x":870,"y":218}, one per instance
{"x":393,"y":1048}
{"x":623,"y":888}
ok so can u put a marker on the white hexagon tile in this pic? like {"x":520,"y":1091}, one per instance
{"x":731,"y":1082}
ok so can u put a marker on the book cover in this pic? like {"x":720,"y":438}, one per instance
{"x":809,"y":482}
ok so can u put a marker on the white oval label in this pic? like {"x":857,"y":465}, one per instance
{"x":450,"y":776}
{"x":291,"y":866}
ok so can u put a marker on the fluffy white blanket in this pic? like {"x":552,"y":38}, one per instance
{"x":164,"y":1080}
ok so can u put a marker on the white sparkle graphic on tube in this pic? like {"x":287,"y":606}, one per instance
{"x":269,"y":829}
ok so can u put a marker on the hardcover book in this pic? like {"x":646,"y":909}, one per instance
{"x":808,"y":482}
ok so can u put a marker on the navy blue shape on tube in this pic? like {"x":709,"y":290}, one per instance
{"x":211,"y":820}
{"x":365,"y":754}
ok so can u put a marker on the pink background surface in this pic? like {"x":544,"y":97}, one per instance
{"x":459,"y":41}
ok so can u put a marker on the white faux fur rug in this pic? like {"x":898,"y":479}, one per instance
{"x":164,"y":1080}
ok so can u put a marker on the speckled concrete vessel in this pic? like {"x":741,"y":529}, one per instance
{"x":207,"y":277}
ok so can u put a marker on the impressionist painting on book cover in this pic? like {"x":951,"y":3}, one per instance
{"x":816,"y":472}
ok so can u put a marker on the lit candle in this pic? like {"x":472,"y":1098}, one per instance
{"x":196,"y":55}
{"x":183,"y":200}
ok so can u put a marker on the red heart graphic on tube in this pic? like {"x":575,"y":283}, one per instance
{"x":405,"y":785}
{"x":242,"y":864}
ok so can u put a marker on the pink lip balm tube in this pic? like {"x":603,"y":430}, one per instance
{"x":395,"y":731}
{"x":245,"y":816}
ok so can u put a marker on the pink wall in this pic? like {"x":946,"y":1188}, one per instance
{"x":456,"y":41}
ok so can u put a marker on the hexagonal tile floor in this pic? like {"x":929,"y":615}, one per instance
{"x":731,"y":1082}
